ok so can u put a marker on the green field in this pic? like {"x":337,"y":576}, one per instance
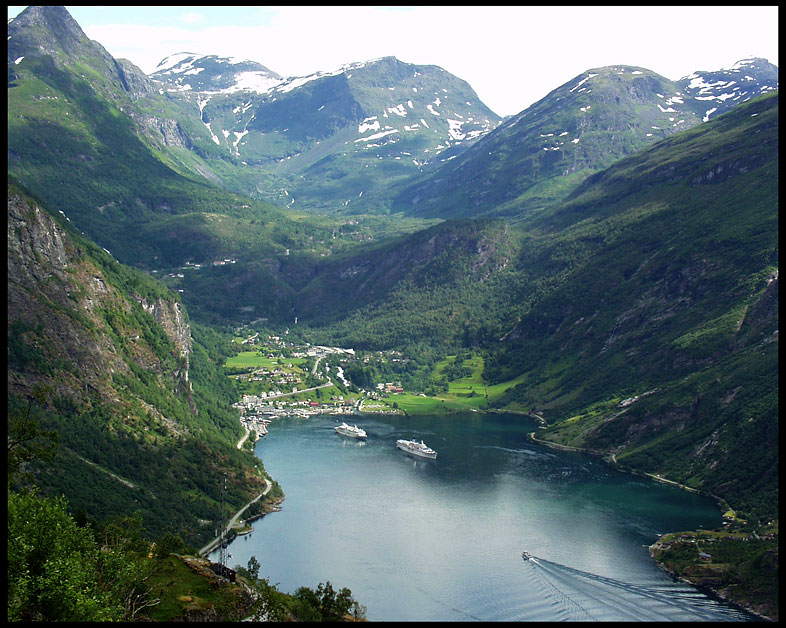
{"x":465,"y":394}
{"x":253,"y":359}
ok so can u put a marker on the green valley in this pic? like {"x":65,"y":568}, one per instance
{"x":605,"y":262}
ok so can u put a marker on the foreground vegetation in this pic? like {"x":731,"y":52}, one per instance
{"x":64,"y":569}
{"x":738,"y":562}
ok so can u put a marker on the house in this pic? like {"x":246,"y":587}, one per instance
{"x":221,"y":570}
{"x":705,"y":556}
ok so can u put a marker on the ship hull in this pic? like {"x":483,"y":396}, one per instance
{"x":415,"y":452}
{"x":349,"y":434}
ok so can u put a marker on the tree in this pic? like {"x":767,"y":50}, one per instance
{"x":305,"y":605}
{"x":168,"y":544}
{"x":253,"y":567}
{"x":270,"y":602}
{"x":52,"y":573}
{"x":333,"y":605}
{"x":58,"y":572}
{"x":251,"y":571}
{"x":26,"y":440}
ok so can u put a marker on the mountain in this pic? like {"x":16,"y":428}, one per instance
{"x":609,"y":255}
{"x":714,"y":93}
{"x":209,"y":73}
{"x":324,"y":140}
{"x":105,"y":356}
{"x":659,"y":343}
{"x":124,"y":174}
{"x":538,"y":156}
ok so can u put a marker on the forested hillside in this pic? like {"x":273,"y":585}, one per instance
{"x":105,"y":356}
{"x":606,"y":260}
{"x":670,"y":288}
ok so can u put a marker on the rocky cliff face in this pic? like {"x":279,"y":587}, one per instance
{"x":72,"y":327}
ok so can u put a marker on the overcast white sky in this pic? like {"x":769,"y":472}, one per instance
{"x":511,"y":56}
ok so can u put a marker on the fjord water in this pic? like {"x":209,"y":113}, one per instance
{"x":418,"y":539}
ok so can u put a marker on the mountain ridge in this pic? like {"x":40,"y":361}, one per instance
{"x":329,"y":125}
{"x":555,"y":146}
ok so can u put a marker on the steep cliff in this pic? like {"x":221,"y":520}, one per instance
{"x":101,"y":354}
{"x":71,"y":325}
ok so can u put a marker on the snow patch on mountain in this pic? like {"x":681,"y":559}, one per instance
{"x":582,"y":81}
{"x":291,"y":83}
{"x":742,"y":63}
{"x":367,"y":125}
{"x":173,"y":60}
{"x":376,"y":136}
{"x":399,"y":110}
{"x":454,"y":129}
{"x":258,"y":82}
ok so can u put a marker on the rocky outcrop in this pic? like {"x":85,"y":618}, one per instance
{"x":74,"y":328}
{"x":172,"y":319}
{"x":169,"y":132}
{"x":53,"y":296}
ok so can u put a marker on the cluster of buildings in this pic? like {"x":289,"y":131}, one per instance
{"x":390,"y":387}
{"x":257,"y":411}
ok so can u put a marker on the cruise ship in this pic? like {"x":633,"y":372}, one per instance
{"x":350,"y":430}
{"x":416,"y":448}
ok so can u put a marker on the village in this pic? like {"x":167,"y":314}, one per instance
{"x":283,"y":379}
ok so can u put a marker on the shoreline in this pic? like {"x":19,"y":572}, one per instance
{"x":611,"y":460}
{"x":706,"y":589}
{"x":211,"y":546}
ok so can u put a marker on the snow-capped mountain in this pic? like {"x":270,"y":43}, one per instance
{"x":716,"y":92}
{"x":341,"y":133}
{"x":586,"y":124}
{"x":186,"y":71}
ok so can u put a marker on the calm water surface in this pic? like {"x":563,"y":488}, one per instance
{"x":418,"y":539}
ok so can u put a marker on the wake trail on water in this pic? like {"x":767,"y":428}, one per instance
{"x":575,"y":610}
{"x":582,"y":591}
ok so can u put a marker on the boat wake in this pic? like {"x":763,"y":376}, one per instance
{"x":585,"y":596}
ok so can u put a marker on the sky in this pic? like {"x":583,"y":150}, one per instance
{"x":511,"y":56}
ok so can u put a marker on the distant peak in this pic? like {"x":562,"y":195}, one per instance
{"x":618,"y":69}
{"x":56,"y":19}
{"x":746,"y":62}
{"x":174,"y":59}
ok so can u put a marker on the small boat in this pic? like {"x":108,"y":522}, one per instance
{"x":352,"y":431}
{"x":526,"y":555}
{"x":416,"y":448}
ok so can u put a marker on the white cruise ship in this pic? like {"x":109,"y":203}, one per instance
{"x":416,"y":448}
{"x":350,"y":430}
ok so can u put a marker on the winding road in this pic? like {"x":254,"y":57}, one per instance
{"x":214,"y":543}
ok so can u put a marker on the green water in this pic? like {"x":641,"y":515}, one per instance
{"x":418,"y":539}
